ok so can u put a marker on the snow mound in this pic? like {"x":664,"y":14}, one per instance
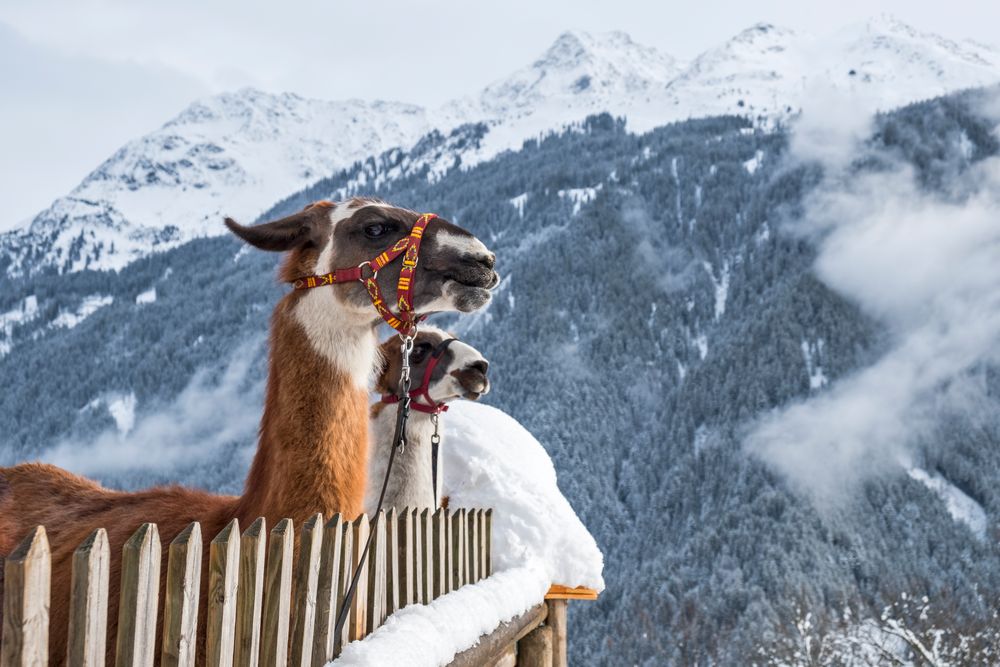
{"x":433,"y":634}
{"x":490,"y":460}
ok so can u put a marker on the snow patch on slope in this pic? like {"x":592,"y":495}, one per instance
{"x":721,"y":285}
{"x":149,"y":296}
{"x":811,"y":353}
{"x":960,"y":506}
{"x":90,"y":305}
{"x":24,"y":312}
{"x":580,"y":196}
{"x":121,"y":407}
{"x":518,"y":202}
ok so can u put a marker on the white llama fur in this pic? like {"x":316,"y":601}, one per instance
{"x":410,"y":484}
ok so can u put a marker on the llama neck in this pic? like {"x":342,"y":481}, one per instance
{"x":312,"y":453}
{"x":411,"y":483}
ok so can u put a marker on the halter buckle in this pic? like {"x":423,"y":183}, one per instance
{"x":361,"y":274}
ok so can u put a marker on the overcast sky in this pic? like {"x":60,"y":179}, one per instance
{"x":78,"y":78}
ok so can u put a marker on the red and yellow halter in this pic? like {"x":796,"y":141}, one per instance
{"x":409,"y":247}
{"x":429,"y":406}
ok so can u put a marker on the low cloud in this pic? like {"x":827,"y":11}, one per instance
{"x":927,"y":266}
{"x":206,"y":417}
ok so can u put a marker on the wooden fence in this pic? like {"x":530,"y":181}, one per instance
{"x":253,"y":619}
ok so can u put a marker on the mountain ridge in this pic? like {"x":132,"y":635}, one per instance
{"x":237,"y":153}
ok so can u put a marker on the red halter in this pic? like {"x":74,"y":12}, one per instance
{"x":406,"y":322}
{"x":424,"y":390}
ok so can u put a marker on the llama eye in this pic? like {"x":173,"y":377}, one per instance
{"x":419,"y":352}
{"x":376,"y":230}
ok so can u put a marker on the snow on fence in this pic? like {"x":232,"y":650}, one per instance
{"x":263,"y":609}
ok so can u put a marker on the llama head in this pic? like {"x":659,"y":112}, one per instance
{"x":455,"y":271}
{"x":461,"y":372}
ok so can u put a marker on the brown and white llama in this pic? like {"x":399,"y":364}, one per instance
{"x":312,"y":451}
{"x":459,"y":372}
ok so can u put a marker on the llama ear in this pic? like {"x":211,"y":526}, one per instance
{"x":300,"y":229}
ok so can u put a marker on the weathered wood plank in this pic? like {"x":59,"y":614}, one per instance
{"x":376,"y":576}
{"x":346,"y":549}
{"x":483,"y":546}
{"x":428,"y":574}
{"x":359,"y":607}
{"x":88,"y":603}
{"x":306,"y":583}
{"x":439,"y":552}
{"x":180,"y":609}
{"x":326,"y":595}
{"x":559,"y":592}
{"x":489,"y":542}
{"x":250,"y":594}
{"x":223,"y":587}
{"x":277,"y":595}
{"x":491,"y":647}
{"x":472,"y":547}
{"x":417,"y":558}
{"x":26,"y":593}
{"x":404,"y":556}
{"x":557,"y":621}
{"x":457,"y":551}
{"x":535,"y":648}
{"x":391,"y":561}
{"x":140,"y":591}
{"x":507,"y":657}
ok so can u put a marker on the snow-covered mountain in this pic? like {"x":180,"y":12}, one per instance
{"x":232,"y":154}
{"x":238,"y":153}
{"x":768,"y":70}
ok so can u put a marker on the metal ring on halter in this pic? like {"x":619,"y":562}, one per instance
{"x":361,"y":277}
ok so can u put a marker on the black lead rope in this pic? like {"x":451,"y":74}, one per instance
{"x":435,"y":448}
{"x":399,"y":442}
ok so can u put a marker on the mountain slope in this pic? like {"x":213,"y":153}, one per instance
{"x":235,"y":154}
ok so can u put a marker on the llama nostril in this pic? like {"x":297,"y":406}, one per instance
{"x":481,"y":366}
{"x":489,"y":261}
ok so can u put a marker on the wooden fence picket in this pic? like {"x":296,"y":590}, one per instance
{"x":417,"y":557}
{"x":223,"y":586}
{"x":472,"y":546}
{"x":426,"y":550}
{"x":326,"y":595}
{"x":26,"y":602}
{"x":277,"y":595}
{"x":88,"y":604}
{"x":180,"y":608}
{"x":489,"y":542}
{"x":404,"y":557}
{"x":346,"y":568}
{"x":483,"y":546}
{"x":250,"y":595}
{"x":457,"y":550}
{"x":306,"y":582}
{"x":439,"y":550}
{"x":140,"y":591}
{"x":391,"y":561}
{"x":375,"y":615}
{"x":359,"y":606}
